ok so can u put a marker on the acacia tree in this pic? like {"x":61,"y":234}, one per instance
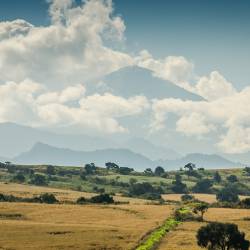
{"x":200,"y":208}
{"x":221,"y":236}
{"x":190,"y":166}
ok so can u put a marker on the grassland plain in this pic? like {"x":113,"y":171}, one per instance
{"x":209,"y":198}
{"x":184,"y":236}
{"x":66,"y":226}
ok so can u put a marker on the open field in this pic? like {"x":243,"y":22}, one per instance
{"x":43,"y":226}
{"x":184,"y":236}
{"x":63,"y":195}
{"x":209,"y":198}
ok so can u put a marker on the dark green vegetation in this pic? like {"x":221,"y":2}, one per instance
{"x":221,"y":236}
{"x":227,"y":184}
{"x":43,"y":198}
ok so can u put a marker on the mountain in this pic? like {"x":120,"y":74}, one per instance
{"x":42,"y":153}
{"x":134,"y":80}
{"x":201,"y":160}
{"x":244,"y":158}
{"x":17,"y":138}
{"x":152,"y":151}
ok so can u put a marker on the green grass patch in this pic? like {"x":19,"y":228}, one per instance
{"x":155,"y":237}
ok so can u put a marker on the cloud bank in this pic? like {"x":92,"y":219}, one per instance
{"x":43,"y":71}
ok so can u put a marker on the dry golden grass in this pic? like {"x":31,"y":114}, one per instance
{"x":43,"y":226}
{"x":20,"y":190}
{"x":184,"y":236}
{"x":209,"y":198}
{"x":66,"y":226}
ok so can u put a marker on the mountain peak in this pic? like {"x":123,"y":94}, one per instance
{"x":134,"y":80}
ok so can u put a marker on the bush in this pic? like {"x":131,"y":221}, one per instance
{"x":227,"y":194}
{"x":245,"y":203}
{"x":48,"y":198}
{"x":203,"y":186}
{"x":39,"y":180}
{"x":19,"y":178}
{"x":81,"y":200}
{"x":187,"y":197}
{"x":232,"y":178}
{"x":177,"y":185}
{"x":184,"y":214}
{"x":102,"y":198}
{"x":222,"y":236}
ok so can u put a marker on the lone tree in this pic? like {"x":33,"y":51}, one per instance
{"x":190,"y":166}
{"x":90,"y":168}
{"x":217,"y":177}
{"x":200,"y":208}
{"x":159,"y":171}
{"x":111,"y":166}
{"x":221,"y":236}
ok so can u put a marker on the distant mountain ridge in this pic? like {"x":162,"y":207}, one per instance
{"x":42,"y":153}
{"x":45,"y":154}
{"x":201,"y":160}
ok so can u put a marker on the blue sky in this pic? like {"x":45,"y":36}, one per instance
{"x":214,"y":34}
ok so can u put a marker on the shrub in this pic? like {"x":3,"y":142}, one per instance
{"x":177,"y":185}
{"x":187,"y":197}
{"x":48,"y":198}
{"x":102,"y":198}
{"x":232,"y":178}
{"x":183,"y":214}
{"x":245,"y":203}
{"x":81,"y":200}
{"x":19,"y":178}
{"x":222,"y":236}
{"x":51,"y":170}
{"x":203,"y":186}
{"x":39,"y":180}
{"x":227,"y":194}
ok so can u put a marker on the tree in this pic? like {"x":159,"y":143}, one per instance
{"x":50,"y":170}
{"x":223,"y":236}
{"x":148,"y":171}
{"x":232,"y":178}
{"x":217,"y":177}
{"x":200,"y":208}
{"x":19,"y":178}
{"x":90,"y":168}
{"x":177,"y":185}
{"x":125,"y":170}
{"x":247,"y":170}
{"x":159,"y":171}
{"x":190,"y":166}
{"x":227,"y":194}
{"x":39,"y":180}
{"x":203,"y":186}
{"x":111,"y":166}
